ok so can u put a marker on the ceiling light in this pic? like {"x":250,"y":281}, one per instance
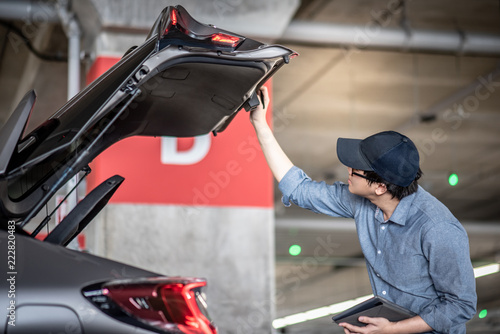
{"x":318,"y":312}
{"x":486,"y":270}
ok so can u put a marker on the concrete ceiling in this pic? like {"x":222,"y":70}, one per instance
{"x":443,"y":94}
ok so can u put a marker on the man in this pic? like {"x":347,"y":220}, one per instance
{"x":416,"y":251}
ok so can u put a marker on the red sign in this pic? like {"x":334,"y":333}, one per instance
{"x":226,"y":170}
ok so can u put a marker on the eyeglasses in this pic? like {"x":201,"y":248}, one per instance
{"x":362,"y":176}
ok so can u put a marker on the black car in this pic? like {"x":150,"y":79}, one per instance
{"x":185,"y":80}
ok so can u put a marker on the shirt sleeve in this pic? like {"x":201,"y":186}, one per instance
{"x":446,"y":247}
{"x":333,"y":200}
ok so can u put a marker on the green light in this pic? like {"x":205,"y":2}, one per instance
{"x":294,"y":250}
{"x":483,"y":314}
{"x":453,"y":179}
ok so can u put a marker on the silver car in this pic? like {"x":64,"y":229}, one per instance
{"x":186,"y":79}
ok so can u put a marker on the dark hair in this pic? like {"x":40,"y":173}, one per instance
{"x":395,"y":190}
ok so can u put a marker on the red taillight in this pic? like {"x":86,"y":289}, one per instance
{"x":225,"y":39}
{"x":167,"y":303}
{"x":173,"y":17}
{"x":173,"y":20}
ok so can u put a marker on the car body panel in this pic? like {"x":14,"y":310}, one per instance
{"x":13,"y":130}
{"x":60,"y":275}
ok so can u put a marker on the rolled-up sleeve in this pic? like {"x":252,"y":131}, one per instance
{"x":447,"y":250}
{"x":333,"y":200}
{"x":289,"y":182}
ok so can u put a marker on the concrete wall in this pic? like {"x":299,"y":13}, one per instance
{"x":233,"y":248}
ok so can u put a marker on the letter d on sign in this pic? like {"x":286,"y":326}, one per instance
{"x":171,"y":156}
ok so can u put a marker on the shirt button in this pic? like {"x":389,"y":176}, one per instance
{"x":383,"y":228}
{"x":379,"y":252}
{"x":384,"y":292}
{"x":378,"y":275}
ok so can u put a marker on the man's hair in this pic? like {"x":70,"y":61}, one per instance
{"x":395,"y":190}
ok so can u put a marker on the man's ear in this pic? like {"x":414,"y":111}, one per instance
{"x":380,"y":189}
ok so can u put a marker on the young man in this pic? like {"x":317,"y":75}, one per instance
{"x":416,"y":251}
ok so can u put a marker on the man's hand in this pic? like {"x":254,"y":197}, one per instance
{"x":258,"y":115}
{"x":382,"y":325}
{"x":374,"y":326}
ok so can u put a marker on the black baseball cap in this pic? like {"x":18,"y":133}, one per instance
{"x":393,"y":156}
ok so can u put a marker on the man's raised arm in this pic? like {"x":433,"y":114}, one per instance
{"x":277,"y":160}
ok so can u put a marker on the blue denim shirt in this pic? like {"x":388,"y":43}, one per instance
{"x":418,"y":259}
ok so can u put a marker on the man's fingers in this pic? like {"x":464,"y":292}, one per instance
{"x":351,"y":329}
{"x":366,"y":320}
{"x":264,"y":95}
{"x":373,"y":321}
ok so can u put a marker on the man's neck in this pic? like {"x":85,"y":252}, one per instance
{"x":386,"y":203}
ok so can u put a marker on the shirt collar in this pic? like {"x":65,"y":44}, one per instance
{"x":402,"y":210}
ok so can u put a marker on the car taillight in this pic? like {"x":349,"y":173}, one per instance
{"x":173,"y":17}
{"x":170,"y":304}
{"x":180,"y":29}
{"x":225,"y":39}
{"x":171,"y":22}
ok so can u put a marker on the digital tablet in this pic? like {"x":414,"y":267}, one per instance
{"x":373,"y":307}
